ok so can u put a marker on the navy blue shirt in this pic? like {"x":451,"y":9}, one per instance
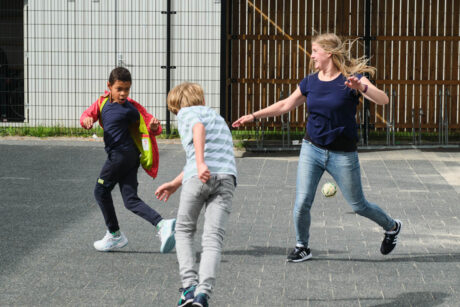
{"x":331,"y":106}
{"x":116,"y":119}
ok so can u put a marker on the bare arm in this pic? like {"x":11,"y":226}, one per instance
{"x":199,"y":139}
{"x":280,"y":107}
{"x":167,"y":189}
{"x":373,"y":93}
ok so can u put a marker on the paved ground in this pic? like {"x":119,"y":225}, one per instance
{"x":49,"y":220}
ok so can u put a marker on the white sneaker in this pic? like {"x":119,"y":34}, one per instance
{"x":110,"y":242}
{"x":166,"y":234}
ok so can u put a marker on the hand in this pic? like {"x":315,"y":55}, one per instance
{"x":165,"y":190}
{"x":88,"y":122}
{"x":203,"y":172}
{"x":242,"y":120}
{"x":354,"y":83}
{"x":154,"y":124}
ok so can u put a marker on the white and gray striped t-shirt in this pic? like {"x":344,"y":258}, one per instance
{"x":218,"y":149}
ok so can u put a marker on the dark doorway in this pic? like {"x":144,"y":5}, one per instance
{"x":11,"y":61}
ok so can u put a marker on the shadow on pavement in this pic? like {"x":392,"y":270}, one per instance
{"x":44,"y":189}
{"x":134,"y":252}
{"x":436,"y":258}
{"x":320,"y":255}
{"x":415,"y":299}
{"x":259,"y":251}
{"x":424,"y":299}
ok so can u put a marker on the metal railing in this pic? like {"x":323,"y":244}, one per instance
{"x":403,"y":135}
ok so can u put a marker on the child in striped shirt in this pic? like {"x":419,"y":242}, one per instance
{"x":208,"y":180}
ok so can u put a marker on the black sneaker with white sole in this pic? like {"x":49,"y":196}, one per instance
{"x":390,"y":239}
{"x":299,"y":254}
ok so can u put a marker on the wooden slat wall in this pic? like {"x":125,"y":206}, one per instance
{"x":415,"y":50}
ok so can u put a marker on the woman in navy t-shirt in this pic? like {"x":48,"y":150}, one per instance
{"x":332,"y":94}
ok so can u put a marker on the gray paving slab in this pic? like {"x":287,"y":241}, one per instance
{"x":49,"y":220}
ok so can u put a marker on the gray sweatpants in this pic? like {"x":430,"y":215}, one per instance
{"x":216,"y":196}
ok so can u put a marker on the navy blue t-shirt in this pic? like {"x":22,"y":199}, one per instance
{"x":331,"y":106}
{"x":116,"y":119}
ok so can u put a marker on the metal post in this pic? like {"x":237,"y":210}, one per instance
{"x":289,"y":130}
{"x":168,"y":66}
{"x":257,"y":134}
{"x":284,"y":123}
{"x":393,"y":120}
{"x":447,"y":100}
{"x":223,"y":61}
{"x":260,"y":127}
{"x":420,"y":114}
{"x":361,"y":127}
{"x":116,"y":33}
{"x":440,"y":139}
{"x":27,"y":80}
{"x":413,"y":126}
{"x":367,"y":50}
{"x":387,"y":119}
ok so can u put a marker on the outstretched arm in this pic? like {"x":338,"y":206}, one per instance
{"x":167,"y":189}
{"x":281,"y":107}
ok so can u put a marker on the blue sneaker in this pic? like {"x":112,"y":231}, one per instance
{"x":166,"y":234}
{"x":187,"y":296}
{"x":201,"y":300}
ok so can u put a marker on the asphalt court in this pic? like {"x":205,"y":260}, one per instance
{"x":49,"y":220}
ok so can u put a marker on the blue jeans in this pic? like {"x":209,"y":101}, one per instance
{"x":345,"y":169}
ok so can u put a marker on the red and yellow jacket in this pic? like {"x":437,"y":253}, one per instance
{"x":143,"y":137}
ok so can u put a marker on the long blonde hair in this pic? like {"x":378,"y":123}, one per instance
{"x":341,"y":51}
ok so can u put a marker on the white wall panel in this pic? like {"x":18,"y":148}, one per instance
{"x":196,"y":49}
{"x":73,"y":45}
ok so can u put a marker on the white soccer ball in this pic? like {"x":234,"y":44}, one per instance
{"x":329,"y":189}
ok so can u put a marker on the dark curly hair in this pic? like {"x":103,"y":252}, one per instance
{"x":119,"y":74}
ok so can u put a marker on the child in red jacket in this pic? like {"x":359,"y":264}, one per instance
{"x":129,"y":137}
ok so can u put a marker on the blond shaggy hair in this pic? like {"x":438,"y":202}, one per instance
{"x":341,"y":51}
{"x":186,"y":94}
